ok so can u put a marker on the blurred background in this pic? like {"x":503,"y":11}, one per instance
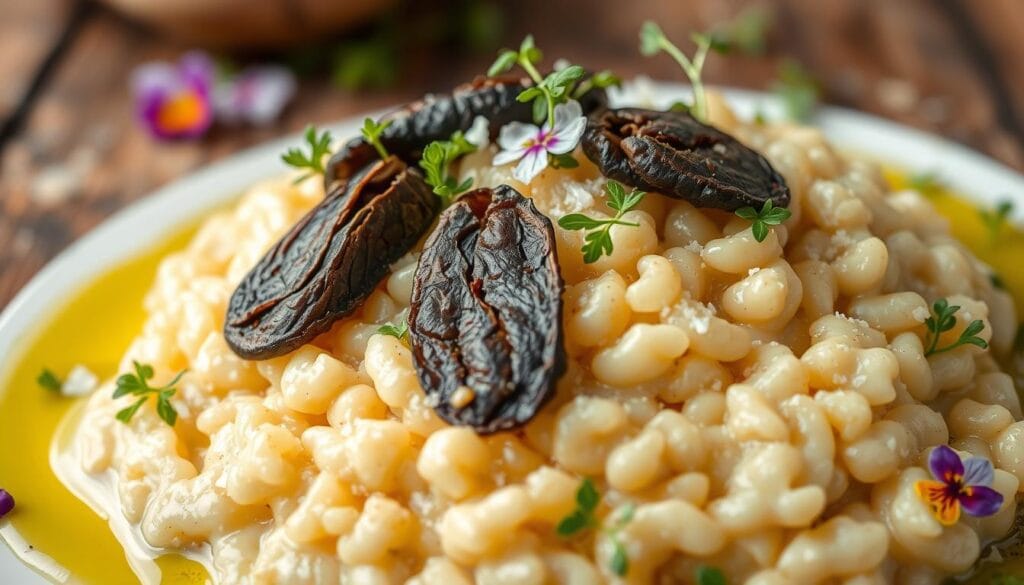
{"x":73,"y":148}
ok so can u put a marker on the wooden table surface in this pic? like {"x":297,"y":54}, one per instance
{"x":71,"y":155}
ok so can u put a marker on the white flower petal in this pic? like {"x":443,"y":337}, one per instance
{"x":566,"y":114}
{"x":479,"y":133}
{"x":568,"y":137}
{"x":530,"y":166}
{"x":506,"y":156}
{"x":514,"y":134}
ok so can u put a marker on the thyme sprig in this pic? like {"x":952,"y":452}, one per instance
{"x":137,"y":384}
{"x":995,"y":219}
{"x":943,"y":319}
{"x":400,"y":331}
{"x":319,"y":145}
{"x":598,"y":240}
{"x":49,"y":381}
{"x":769,"y":215}
{"x":654,"y":41}
{"x":583,"y":518}
{"x":371,"y":131}
{"x":437,"y":158}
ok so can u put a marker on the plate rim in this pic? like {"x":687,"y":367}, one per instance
{"x":978,"y":177}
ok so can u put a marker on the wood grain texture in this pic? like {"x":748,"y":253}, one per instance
{"x":947,"y":66}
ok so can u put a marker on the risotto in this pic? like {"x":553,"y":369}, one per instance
{"x":761,"y":407}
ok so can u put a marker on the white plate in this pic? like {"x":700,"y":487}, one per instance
{"x":158,"y":216}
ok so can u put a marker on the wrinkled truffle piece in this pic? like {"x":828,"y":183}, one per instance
{"x":673,"y":154}
{"x":330,"y":261}
{"x":486,"y":315}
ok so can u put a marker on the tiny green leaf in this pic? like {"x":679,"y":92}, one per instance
{"x":49,"y":381}
{"x":372,"y":131}
{"x":578,"y":221}
{"x":769,"y":215}
{"x":619,"y":563}
{"x":942,"y":319}
{"x":137,"y":384}
{"x":400,"y":331}
{"x":319,"y":146}
{"x":504,"y":63}
{"x":563,"y":161}
{"x":573,"y":523}
{"x":125,"y":414}
{"x":587,"y":497}
{"x":598,"y":241}
{"x":708,"y":575}
{"x":927,"y":183}
{"x":651,"y":38}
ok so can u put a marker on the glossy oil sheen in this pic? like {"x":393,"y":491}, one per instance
{"x":98,"y":323}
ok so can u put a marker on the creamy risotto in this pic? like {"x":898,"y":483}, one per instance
{"x":765,"y":408}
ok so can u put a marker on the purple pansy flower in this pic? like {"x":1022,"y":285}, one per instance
{"x":174,"y":101}
{"x":531,"y":145}
{"x":6,"y":502}
{"x":256,"y":96}
{"x":958,"y":485}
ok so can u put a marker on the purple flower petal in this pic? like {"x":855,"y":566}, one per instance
{"x":980,"y":500}
{"x":154,"y":78}
{"x":256,"y":96}
{"x":978,"y":471}
{"x":6,"y":502}
{"x":197,"y":70}
{"x":945,"y":464}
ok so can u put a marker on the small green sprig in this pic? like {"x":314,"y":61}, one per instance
{"x":400,"y":331}
{"x":547,"y":92}
{"x":797,"y":89}
{"x":437,"y":158}
{"x":927,"y":183}
{"x":654,"y":41}
{"x":371,"y":132}
{"x":708,"y":575}
{"x":747,"y":33}
{"x":49,"y":381}
{"x":943,"y":319}
{"x":769,"y":215}
{"x":995,"y":219}
{"x":319,"y":146}
{"x":598,"y":240}
{"x":583,"y":518}
{"x":137,"y":384}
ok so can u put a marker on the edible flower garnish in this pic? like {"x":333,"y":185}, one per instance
{"x":319,"y":146}
{"x":400,"y":331}
{"x":708,"y":575}
{"x":48,"y":380}
{"x":6,"y":502}
{"x":137,"y":384}
{"x":438,"y":157}
{"x":797,"y":89}
{"x":760,"y":220}
{"x":255,"y":96}
{"x":532,"y":145}
{"x":598,"y":240}
{"x":583,"y":518}
{"x":958,"y":485}
{"x":943,"y":319}
{"x":995,"y":219}
{"x":175,"y":101}
{"x":654,"y":41}
{"x":371,"y":132}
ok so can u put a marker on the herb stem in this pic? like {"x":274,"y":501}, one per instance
{"x":539,"y":84}
{"x":380,"y":149}
{"x":692,"y":70}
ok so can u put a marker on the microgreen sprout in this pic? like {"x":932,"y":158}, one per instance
{"x":400,"y":331}
{"x":583,"y":518}
{"x":769,"y":215}
{"x":927,"y":183}
{"x":371,"y":132}
{"x":654,"y":41}
{"x":437,"y":158}
{"x":137,"y":384}
{"x":48,"y":380}
{"x":319,"y":145}
{"x":708,"y":575}
{"x":943,"y":319}
{"x":598,"y":240}
{"x":995,"y":219}
{"x":797,"y":89}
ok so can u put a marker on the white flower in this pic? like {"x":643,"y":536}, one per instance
{"x":531,"y":145}
{"x":479,"y":133}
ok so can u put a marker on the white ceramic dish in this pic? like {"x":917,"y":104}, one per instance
{"x":158,"y":216}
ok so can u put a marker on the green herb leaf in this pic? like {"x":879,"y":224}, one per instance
{"x":563,"y":161}
{"x":600,"y":80}
{"x":49,"y":381}
{"x":619,"y":563}
{"x":797,"y":89}
{"x":995,"y":219}
{"x":654,"y":41}
{"x":319,"y":146}
{"x":371,"y":132}
{"x":598,"y":240}
{"x":587,"y":497}
{"x":997,"y":281}
{"x":927,"y":183}
{"x":587,"y":500}
{"x":769,"y":215}
{"x":400,"y":331}
{"x":504,"y":63}
{"x":436,"y":160}
{"x":575,"y":522}
{"x":138,"y":384}
{"x":943,"y":319}
{"x":707,"y":575}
